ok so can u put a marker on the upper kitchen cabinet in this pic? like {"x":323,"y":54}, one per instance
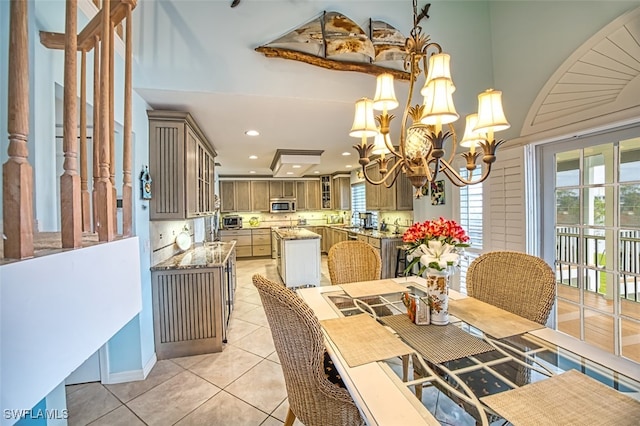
{"x":182,"y":166}
{"x":325,"y":192}
{"x":282,"y":189}
{"x":341,"y":192}
{"x":308,"y":195}
{"x":259,"y":196}
{"x":381,"y":198}
{"x":235,"y":196}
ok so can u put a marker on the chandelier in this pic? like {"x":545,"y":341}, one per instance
{"x":420,"y":150}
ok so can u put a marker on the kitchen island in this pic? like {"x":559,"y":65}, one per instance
{"x":299,"y":257}
{"x":192,"y":294}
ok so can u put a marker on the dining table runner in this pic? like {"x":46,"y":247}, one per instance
{"x":436,"y":343}
{"x":570,"y":398}
{"x":490,"y":319}
{"x":361,"y":339}
{"x":373,"y":288}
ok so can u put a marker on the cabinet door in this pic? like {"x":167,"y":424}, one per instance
{"x":301,"y":190}
{"x":313,"y":194}
{"x":243,"y":196}
{"x":228,"y":196}
{"x":211,"y":194}
{"x":275,"y":189}
{"x":373,"y":191}
{"x":289,"y":188}
{"x":404,"y":193}
{"x":260,"y":195}
{"x":325,"y":192}
{"x":167,"y":160}
{"x":341,"y":193}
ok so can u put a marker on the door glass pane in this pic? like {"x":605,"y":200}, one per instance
{"x":569,"y":318}
{"x":568,"y":168}
{"x":598,"y":165}
{"x":630,"y":160}
{"x":630,"y":204}
{"x":568,"y":206}
{"x":629,"y":247}
{"x":595,"y":202}
{"x":630,"y":343}
{"x":598,"y":330}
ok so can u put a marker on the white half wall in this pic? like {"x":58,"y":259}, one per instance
{"x":57,"y":310}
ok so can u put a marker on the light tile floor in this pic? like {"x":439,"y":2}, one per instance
{"x":242,"y":385}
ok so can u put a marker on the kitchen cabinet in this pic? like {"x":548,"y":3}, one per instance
{"x":372,"y":192}
{"x":235,"y":196}
{"x":259,"y":196}
{"x":282,"y":189}
{"x":341,"y":192}
{"x":381,"y":198}
{"x":192,"y":305}
{"x":261,"y":242}
{"x":243,"y":240}
{"x":325,"y":192}
{"x":308,"y":195}
{"x":181,"y":163}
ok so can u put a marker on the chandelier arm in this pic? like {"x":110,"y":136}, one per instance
{"x":384,"y":178}
{"x":390,"y":146}
{"x":396,"y":173}
{"x":458,"y":180}
{"x":454,"y":143}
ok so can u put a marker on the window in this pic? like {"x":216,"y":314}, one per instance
{"x":471,"y":221}
{"x":358,"y":202}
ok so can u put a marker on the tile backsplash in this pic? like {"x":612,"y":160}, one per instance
{"x":163,"y":236}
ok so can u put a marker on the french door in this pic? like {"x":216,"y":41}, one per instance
{"x":591,"y":233}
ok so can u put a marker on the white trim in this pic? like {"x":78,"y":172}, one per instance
{"x":131,"y":375}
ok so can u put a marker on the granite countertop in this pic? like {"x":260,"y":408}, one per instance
{"x":296,"y":234}
{"x":369,"y":232}
{"x":208,"y":255}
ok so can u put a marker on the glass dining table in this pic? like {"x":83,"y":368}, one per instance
{"x":486,"y":366}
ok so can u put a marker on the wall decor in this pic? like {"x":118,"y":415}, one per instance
{"x":437,"y":193}
{"x":145,"y":183}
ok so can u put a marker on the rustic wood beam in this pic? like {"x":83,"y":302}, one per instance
{"x":87,"y":37}
{"x":17,"y":174}
{"x":366,"y":68}
{"x":127,"y":159}
{"x":104,"y":194}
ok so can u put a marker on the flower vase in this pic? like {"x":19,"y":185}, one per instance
{"x":438,"y":288}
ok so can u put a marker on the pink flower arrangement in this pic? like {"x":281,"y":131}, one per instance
{"x":436,"y":244}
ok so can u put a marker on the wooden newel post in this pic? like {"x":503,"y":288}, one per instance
{"x":17,"y":174}
{"x":127,"y":190}
{"x":104,"y":189}
{"x":71,"y":207}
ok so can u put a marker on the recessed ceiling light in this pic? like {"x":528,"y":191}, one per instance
{"x":252,"y":133}
{"x":317,"y":172}
{"x":253,"y":157}
{"x":289,"y":173}
{"x":252,"y":171}
{"x":348,"y":166}
{"x":296,"y":166}
{"x":346,"y":153}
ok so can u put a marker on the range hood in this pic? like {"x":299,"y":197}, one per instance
{"x":294,"y":162}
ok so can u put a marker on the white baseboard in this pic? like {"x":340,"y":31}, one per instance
{"x":131,"y":375}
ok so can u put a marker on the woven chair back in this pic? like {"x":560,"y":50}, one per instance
{"x":299,"y":342}
{"x":516,"y":282}
{"x":353,"y":261}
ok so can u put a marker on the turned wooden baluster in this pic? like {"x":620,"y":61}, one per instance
{"x":96,"y":129}
{"x":104,"y":192}
{"x":127,"y":190}
{"x":112,"y":122}
{"x":85,"y":197}
{"x":17,"y":174}
{"x":70,"y":203}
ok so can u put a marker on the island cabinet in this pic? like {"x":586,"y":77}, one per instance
{"x":181,"y":162}
{"x":235,"y":196}
{"x":192,"y":296}
{"x":299,"y":262}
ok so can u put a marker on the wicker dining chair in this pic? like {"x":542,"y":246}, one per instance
{"x":516,"y":282}
{"x":299,"y":343}
{"x":353,"y":261}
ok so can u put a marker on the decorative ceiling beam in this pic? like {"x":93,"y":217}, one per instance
{"x":86,"y":37}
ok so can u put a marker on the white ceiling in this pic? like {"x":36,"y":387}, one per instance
{"x":199,"y":56}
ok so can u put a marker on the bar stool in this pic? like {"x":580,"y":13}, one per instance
{"x":401,"y":261}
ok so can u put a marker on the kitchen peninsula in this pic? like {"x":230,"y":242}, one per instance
{"x":298,"y":256}
{"x":192,"y":295}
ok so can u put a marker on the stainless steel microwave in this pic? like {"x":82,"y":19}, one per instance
{"x":282,"y":205}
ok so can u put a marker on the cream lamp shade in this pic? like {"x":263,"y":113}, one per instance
{"x":379,"y":147}
{"x":438,"y":102}
{"x":385,"y":98}
{"x":364,"y":125}
{"x":438,"y":68}
{"x":490,"y":114}
{"x":471,"y":137}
